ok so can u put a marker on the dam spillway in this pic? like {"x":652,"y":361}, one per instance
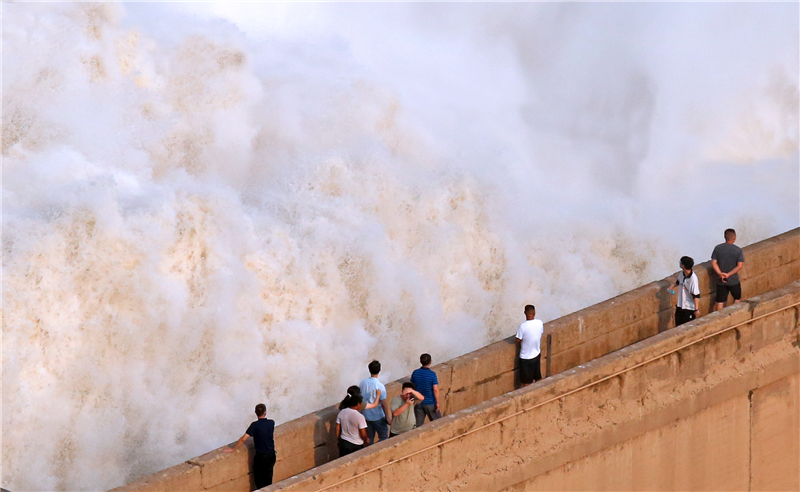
{"x":711,"y":405}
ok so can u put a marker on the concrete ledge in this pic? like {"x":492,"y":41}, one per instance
{"x":566,"y":428}
{"x":176,"y":478}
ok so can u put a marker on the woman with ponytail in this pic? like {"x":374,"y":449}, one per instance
{"x":351,"y":427}
{"x":352,"y":391}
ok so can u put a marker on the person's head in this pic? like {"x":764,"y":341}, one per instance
{"x":354,"y":401}
{"x":686,"y":264}
{"x":425,"y":360}
{"x":261,"y":410}
{"x":374,"y":368}
{"x":351,"y":391}
{"x":407,"y":391}
{"x":530,"y":311}
{"x":730,"y":236}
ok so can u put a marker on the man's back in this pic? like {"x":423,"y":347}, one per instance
{"x":424,"y":379}
{"x":369,"y":389}
{"x":728,"y":256}
{"x":263,"y":433}
{"x":530,"y":332}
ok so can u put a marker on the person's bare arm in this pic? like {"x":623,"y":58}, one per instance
{"x":418,"y":395}
{"x":374,"y":403}
{"x":386,"y":411}
{"x":436,"y":396}
{"x":715,"y":266}
{"x":338,"y":431}
{"x":401,"y":408}
{"x":363,"y":434}
{"x":738,"y":267}
{"x":238,"y":444}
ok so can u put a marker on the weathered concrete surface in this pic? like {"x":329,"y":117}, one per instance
{"x":700,"y":407}
{"x":775,"y":457}
{"x":705,"y":451}
{"x":490,"y":371}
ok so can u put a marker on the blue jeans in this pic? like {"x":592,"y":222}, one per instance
{"x":379,"y":426}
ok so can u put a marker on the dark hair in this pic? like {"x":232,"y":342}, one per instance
{"x":409,"y":384}
{"x":425,"y":359}
{"x":261,"y":410}
{"x":351,"y":401}
{"x":374,"y":367}
{"x":530,"y":308}
{"x":729,"y":234}
{"x":687,"y":262}
{"x":351,"y":391}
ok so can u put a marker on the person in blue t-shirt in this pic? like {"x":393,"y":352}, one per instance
{"x":379,"y":418}
{"x":263,"y":433}
{"x":427,"y":383}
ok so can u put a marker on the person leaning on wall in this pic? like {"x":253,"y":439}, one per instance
{"x":263,"y":433}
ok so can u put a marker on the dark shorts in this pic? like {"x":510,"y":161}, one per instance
{"x":421,"y":411}
{"x":347,"y":447}
{"x":683,"y":316}
{"x":723,"y":289}
{"x":530,"y":370}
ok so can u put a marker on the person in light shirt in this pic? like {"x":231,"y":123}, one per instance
{"x":529,"y":338}
{"x":688,"y":293}
{"x":351,"y":427}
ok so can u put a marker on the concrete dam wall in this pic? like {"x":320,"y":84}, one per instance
{"x":711,"y":405}
{"x":659,"y":411}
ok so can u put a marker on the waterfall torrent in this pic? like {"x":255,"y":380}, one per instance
{"x":208,"y":206}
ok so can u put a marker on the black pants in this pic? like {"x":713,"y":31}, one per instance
{"x":530,"y":370}
{"x":346,"y":447}
{"x":263,"y":466}
{"x":683,"y":316}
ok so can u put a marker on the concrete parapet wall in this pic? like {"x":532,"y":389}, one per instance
{"x":473,"y":378}
{"x":711,"y":405}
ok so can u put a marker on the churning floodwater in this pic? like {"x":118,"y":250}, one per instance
{"x":209,"y":206}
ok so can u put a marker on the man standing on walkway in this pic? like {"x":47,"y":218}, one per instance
{"x":263,"y":433}
{"x":427,"y":383}
{"x":403,"y":416}
{"x":727,"y":260}
{"x":688,"y":293}
{"x":529,"y":338}
{"x":379,"y":418}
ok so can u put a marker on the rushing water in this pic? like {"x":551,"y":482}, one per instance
{"x":205,"y":207}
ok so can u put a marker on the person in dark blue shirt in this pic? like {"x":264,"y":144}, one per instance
{"x":263,"y":433}
{"x":427,"y":383}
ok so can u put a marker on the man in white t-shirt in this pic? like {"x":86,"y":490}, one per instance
{"x":529,"y":338}
{"x":688,"y":293}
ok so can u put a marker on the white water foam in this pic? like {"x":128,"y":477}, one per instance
{"x":209,"y":206}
